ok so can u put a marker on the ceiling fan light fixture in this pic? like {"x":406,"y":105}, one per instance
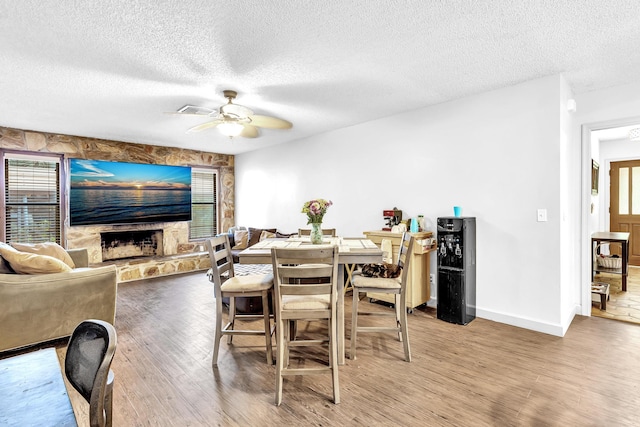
{"x":230,"y":129}
{"x":634,"y":134}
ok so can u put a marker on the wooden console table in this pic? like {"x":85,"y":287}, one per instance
{"x":611,"y":237}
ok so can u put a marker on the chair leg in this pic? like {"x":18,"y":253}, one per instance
{"x":289,"y":334}
{"x":405,"y":332}
{"x":354,"y":323}
{"x":218,"y":335}
{"x":232,"y":317}
{"x":398,"y":309}
{"x":108,"y":400}
{"x":333,"y":360}
{"x":267,"y":326}
{"x":280,"y":359}
{"x":293,"y":330}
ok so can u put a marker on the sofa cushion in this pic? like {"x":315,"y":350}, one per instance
{"x":254,"y":234}
{"x":266,"y":235}
{"x":51,"y":249}
{"x":28,"y":263}
{"x":241,"y":239}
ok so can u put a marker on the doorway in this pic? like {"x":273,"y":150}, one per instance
{"x":624,"y":205}
{"x":608,"y":143}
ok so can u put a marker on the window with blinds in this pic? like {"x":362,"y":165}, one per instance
{"x":32,"y":200}
{"x":204,"y":207}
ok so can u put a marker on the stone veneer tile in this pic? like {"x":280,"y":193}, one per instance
{"x":35,"y":141}
{"x":142,"y":269}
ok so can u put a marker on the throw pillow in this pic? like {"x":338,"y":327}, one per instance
{"x":28,"y":263}
{"x":284,"y":235}
{"x":5,"y":267}
{"x":241,"y":239}
{"x":384,"y":270}
{"x":254,"y":234}
{"x":266,"y":235}
{"x":51,"y":249}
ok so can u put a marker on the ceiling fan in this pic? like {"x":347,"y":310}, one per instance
{"x":234,"y":119}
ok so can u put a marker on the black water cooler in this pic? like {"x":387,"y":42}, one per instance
{"x":456,"y":269}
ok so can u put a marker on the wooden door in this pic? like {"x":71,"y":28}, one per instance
{"x":624,"y":205}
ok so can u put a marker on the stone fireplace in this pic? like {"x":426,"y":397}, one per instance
{"x":122,"y":242}
{"x":141,"y":251}
{"x":118,"y":245}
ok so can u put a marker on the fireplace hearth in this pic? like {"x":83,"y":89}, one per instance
{"x":118,"y":245}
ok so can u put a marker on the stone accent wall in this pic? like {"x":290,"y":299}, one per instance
{"x":186,"y":255}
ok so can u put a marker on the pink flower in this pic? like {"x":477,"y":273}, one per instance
{"x":315,"y":209}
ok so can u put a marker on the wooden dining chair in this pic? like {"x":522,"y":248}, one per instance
{"x":331,"y":232}
{"x":228,"y":285}
{"x":305,"y":288}
{"x":87,"y":366}
{"x":396,"y":286}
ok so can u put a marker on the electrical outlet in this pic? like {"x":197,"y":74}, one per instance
{"x":432,"y":279}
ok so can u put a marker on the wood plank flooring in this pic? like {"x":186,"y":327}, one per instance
{"x":623,"y":306}
{"x":482,"y":374}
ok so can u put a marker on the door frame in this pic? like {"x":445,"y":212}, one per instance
{"x":585,"y":244}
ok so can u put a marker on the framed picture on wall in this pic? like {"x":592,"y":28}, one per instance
{"x":594,"y":177}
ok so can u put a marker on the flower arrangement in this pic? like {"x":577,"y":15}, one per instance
{"x":315,"y":210}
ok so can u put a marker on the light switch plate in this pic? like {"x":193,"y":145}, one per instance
{"x":542,"y":215}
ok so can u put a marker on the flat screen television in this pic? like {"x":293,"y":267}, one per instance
{"x":105,"y":192}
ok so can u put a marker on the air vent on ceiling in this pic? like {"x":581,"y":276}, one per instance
{"x":192,"y":109}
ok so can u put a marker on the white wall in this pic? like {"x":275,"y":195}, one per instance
{"x":570,"y":219}
{"x":595,"y":209}
{"x":496,"y":154}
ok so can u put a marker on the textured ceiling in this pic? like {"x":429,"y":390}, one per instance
{"x":112,"y":69}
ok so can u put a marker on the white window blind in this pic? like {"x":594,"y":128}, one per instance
{"x":32,"y":200}
{"x":204,"y":207}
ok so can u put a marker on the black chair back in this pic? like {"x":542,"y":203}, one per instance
{"x":87,"y":365}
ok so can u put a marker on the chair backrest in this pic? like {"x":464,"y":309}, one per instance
{"x":221,"y":260}
{"x":404,"y":256}
{"x":325,"y":232}
{"x":309,"y":272}
{"x":87,"y":363}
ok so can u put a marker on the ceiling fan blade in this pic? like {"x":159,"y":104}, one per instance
{"x":249,"y":132}
{"x":175,"y":113}
{"x":269,"y":122}
{"x":203,"y":126}
{"x":236,"y":110}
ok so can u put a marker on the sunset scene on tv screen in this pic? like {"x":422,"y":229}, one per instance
{"x":104,"y":192}
{"x":118,"y":175}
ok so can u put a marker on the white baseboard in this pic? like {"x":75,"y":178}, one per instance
{"x":535,"y":325}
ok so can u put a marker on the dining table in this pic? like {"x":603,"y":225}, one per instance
{"x":350,"y":251}
{"x":32,"y":391}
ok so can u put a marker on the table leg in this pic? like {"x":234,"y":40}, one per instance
{"x":593,"y":261}
{"x":340,"y":314}
{"x":625,"y":264}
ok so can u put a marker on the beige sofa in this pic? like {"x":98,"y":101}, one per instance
{"x":41,"y":307}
